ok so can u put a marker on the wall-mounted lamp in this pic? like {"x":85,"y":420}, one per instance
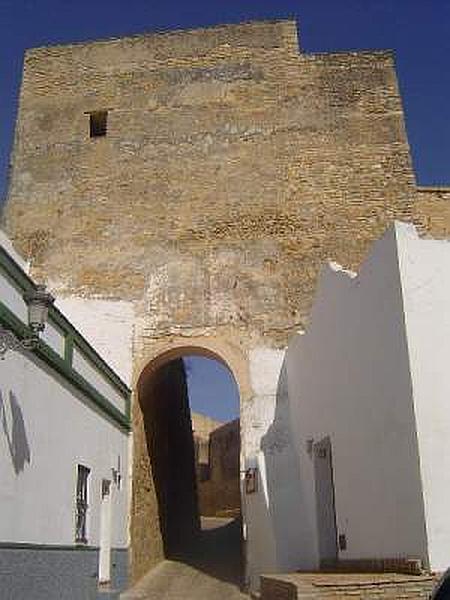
{"x":38,"y":302}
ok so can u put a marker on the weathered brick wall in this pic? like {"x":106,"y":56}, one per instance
{"x":219,"y":498}
{"x":432,"y":211}
{"x":219,"y":495}
{"x":202,"y":426}
{"x":233,"y":166}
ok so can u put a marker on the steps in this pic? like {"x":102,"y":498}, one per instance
{"x":347,"y":586}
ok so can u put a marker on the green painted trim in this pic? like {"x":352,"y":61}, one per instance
{"x":74,"y":547}
{"x":48,"y":355}
{"x":90,"y":353}
{"x":68,"y":349}
{"x":59,"y":319}
{"x":15,"y":272}
{"x":30,"y":546}
{"x":9,"y":320}
{"x":26,"y":284}
{"x":128,"y":409}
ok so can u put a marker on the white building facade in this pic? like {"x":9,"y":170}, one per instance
{"x":64,"y":456}
{"x":347,"y":434}
{"x":354,"y":467}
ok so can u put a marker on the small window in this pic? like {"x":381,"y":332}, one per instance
{"x":98,"y":123}
{"x":82,"y":505}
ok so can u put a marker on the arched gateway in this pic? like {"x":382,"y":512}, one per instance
{"x":165,"y":520}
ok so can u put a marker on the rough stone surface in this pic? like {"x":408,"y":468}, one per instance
{"x":202,"y":426}
{"x":233,"y":166}
{"x":346,"y":587}
{"x":213,"y":571}
{"x":432,"y":212}
{"x":219,"y":490}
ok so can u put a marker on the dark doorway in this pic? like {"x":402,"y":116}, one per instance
{"x":194,"y":459}
{"x":165,"y":406}
{"x":325,"y":504}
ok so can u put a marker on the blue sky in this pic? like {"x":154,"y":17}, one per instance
{"x":417,"y":30}
{"x":212,"y":388}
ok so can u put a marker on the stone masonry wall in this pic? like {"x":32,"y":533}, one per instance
{"x":432,"y":212}
{"x":219,"y":494}
{"x":202,"y":426}
{"x":233,"y":166}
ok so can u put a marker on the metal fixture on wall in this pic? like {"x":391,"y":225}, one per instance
{"x":38,"y":302}
{"x":251,"y":480}
{"x":116,"y":474}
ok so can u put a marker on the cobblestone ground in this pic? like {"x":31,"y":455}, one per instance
{"x":211,"y":571}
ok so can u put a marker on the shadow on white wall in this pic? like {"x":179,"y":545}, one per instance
{"x":15,"y":433}
{"x":284,"y":482}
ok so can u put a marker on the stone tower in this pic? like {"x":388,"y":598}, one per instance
{"x":232,"y":166}
{"x":204,"y":176}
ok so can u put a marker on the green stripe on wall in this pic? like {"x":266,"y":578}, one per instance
{"x":26,"y":284}
{"x":29,"y":546}
{"x":51,"y":358}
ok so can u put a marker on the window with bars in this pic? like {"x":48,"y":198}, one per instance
{"x":81,"y":505}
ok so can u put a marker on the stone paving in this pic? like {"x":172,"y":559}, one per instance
{"x":347,"y":586}
{"x":211,"y":571}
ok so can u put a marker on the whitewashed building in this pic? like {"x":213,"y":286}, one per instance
{"x":346,"y":442}
{"x":356,"y":464}
{"x":64,"y":456}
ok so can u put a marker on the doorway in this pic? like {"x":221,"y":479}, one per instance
{"x":325,"y":503}
{"x":192,"y":479}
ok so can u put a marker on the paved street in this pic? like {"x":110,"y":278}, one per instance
{"x":212,"y":571}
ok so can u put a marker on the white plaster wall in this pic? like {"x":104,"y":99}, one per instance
{"x":54,"y":337}
{"x":349,"y":378}
{"x":107,"y":325}
{"x":266,"y":444}
{"x":91,"y":374}
{"x":47,"y":428}
{"x":282,"y":472}
{"x":425,"y":273}
{"x":12,"y":296}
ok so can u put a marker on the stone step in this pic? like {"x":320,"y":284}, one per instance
{"x":348,"y":586}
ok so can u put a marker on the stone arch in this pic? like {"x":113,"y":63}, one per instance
{"x":155,"y":523}
{"x":228,"y":348}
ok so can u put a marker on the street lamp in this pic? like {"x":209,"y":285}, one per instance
{"x":38,"y":302}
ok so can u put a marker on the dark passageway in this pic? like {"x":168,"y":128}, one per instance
{"x":167,"y":421}
{"x":212,"y":570}
{"x":210,"y":546}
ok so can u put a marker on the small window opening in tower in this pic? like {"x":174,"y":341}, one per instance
{"x":98,"y":123}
